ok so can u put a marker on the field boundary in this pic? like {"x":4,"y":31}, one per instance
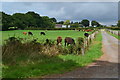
{"x":114,"y":33}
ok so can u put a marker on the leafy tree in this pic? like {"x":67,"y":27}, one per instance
{"x":53,"y":19}
{"x":118,"y":24}
{"x":47,"y":22}
{"x":29,"y":19}
{"x":85,"y":22}
{"x":61,"y":22}
{"x":71,"y":22}
{"x":6,"y":21}
{"x":76,"y":24}
{"x":95,"y":23}
{"x":67,"y":22}
{"x":33,"y":19}
{"x":19,"y":20}
{"x":79,"y":22}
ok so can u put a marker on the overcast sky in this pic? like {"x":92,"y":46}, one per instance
{"x":103,"y":12}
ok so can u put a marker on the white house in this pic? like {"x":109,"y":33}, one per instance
{"x":65,"y":26}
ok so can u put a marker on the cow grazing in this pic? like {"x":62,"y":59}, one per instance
{"x":69,"y":40}
{"x":59,"y":40}
{"x":30,"y":33}
{"x":24,"y":33}
{"x":86,"y":34}
{"x":42,"y":33}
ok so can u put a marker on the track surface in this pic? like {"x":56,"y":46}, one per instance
{"x":104,"y":67}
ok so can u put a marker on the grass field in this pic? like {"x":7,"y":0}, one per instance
{"x":52,"y":65}
{"x":116,"y":36}
{"x":52,"y":34}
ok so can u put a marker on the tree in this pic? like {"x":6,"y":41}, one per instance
{"x":29,"y":19}
{"x":6,"y":21}
{"x":85,"y":22}
{"x":76,"y":24}
{"x":67,"y":22}
{"x":33,"y":19}
{"x":53,"y":19}
{"x":95,"y":23}
{"x":47,"y":22}
{"x":19,"y":20}
{"x":79,"y":22}
{"x":61,"y":22}
{"x":71,"y":22}
{"x":118,"y":24}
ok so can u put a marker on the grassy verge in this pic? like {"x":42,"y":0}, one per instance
{"x":52,"y":65}
{"x":116,"y":36}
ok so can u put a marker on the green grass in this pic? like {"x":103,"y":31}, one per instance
{"x":116,"y":36}
{"x":52,"y":65}
{"x":49,"y":66}
{"x":50,"y":34}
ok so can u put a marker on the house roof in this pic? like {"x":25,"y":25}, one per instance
{"x":58,"y":25}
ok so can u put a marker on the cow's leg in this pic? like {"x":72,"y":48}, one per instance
{"x":67,"y":44}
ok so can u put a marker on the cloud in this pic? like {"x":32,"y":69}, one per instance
{"x":104,"y":12}
{"x":59,"y":0}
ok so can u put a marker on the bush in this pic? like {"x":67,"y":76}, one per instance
{"x":14,"y":49}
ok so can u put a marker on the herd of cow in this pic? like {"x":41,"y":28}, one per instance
{"x":67,"y":40}
{"x":30,"y":33}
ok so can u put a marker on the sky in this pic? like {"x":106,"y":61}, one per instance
{"x":104,"y":12}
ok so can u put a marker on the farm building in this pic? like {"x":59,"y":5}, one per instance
{"x":61,"y":26}
{"x":58,"y":26}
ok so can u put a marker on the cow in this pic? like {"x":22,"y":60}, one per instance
{"x":24,"y":33}
{"x":30,"y":33}
{"x":42,"y":33}
{"x":69,"y":40}
{"x":59,"y":40}
{"x":86,"y":34}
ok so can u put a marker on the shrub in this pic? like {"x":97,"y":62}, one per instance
{"x":14,"y":49}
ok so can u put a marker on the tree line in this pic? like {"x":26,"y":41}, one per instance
{"x":83,"y":23}
{"x":34,"y":20}
{"x":29,"y":19}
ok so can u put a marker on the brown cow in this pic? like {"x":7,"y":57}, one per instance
{"x":59,"y":40}
{"x":69,"y":40}
{"x":24,"y":33}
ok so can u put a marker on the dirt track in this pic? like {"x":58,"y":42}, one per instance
{"x":104,"y":67}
